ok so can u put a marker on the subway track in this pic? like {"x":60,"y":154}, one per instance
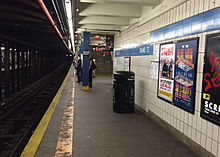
{"x":21,"y":113}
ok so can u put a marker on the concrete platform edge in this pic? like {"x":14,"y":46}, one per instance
{"x":193,"y":146}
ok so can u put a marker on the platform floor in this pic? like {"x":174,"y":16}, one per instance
{"x":99,"y":132}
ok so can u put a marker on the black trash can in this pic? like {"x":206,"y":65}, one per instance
{"x":123,"y":97}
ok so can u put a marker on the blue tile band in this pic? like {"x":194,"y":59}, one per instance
{"x":207,"y":21}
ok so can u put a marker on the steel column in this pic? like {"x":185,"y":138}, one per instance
{"x":6,"y":67}
{"x":1,"y":73}
{"x":18,"y":70}
{"x":13,"y":70}
{"x":22,"y":70}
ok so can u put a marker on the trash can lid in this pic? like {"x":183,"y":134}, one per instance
{"x":125,"y":73}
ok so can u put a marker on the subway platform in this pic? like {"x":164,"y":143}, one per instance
{"x":83,"y":124}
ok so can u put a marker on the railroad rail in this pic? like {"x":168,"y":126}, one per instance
{"x":20,"y":113}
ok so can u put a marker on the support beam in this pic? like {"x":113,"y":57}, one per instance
{"x":131,"y":2}
{"x":101,"y":27}
{"x":7,"y":75}
{"x":18,"y":70}
{"x":99,"y":20}
{"x":13,"y":70}
{"x":116,"y":10}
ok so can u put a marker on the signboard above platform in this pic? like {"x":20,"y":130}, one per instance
{"x":136,"y":51}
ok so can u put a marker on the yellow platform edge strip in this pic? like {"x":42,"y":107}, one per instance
{"x":34,"y":142}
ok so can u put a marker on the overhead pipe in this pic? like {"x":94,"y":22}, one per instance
{"x":43,"y":6}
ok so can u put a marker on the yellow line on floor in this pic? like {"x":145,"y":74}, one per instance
{"x":65,"y":140}
{"x":32,"y":145}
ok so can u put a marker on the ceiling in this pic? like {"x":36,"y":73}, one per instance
{"x":24,"y":21}
{"x":109,"y":16}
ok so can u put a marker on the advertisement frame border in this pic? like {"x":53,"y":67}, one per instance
{"x":195,"y":75}
{"x":202,"y":116}
{"x":172,"y":42}
{"x":129,"y":62}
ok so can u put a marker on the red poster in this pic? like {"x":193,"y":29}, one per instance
{"x":166,"y":71}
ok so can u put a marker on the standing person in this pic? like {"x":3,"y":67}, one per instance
{"x":165,"y":69}
{"x":91,"y":68}
{"x":74,"y":65}
{"x":78,"y":69}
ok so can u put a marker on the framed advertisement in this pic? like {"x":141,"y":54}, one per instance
{"x":185,"y":74}
{"x":166,"y":71}
{"x":210,"y":104}
{"x":127,"y":62}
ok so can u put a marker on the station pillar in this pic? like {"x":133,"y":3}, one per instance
{"x":85,"y":52}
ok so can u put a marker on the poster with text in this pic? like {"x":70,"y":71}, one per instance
{"x":210,"y":104}
{"x":166,"y":72}
{"x":127,"y":62}
{"x":154,"y":69}
{"x":185,"y":74}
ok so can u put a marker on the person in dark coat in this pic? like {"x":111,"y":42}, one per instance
{"x":91,"y":68}
{"x":165,"y":69}
{"x":78,"y":69}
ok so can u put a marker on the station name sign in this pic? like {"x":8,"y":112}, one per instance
{"x":142,"y":50}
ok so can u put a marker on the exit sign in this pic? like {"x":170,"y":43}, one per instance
{"x":97,"y":37}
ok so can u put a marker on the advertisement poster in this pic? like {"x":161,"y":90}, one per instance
{"x":185,"y":72}
{"x":127,"y":63}
{"x":166,"y":71}
{"x":154,"y":69}
{"x":210,"y":104}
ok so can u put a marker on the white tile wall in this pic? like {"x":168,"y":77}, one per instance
{"x":218,"y":154}
{"x":208,"y":144}
{"x":189,"y":133}
{"x":214,"y":147}
{"x":217,"y":3}
{"x":193,"y":134}
{"x":212,"y":4}
{"x":188,"y":9}
{"x":215,"y":132}
{"x":199,"y":130}
{"x":196,"y":8}
{"x":209,"y":129}
{"x":201,"y":6}
{"x":192,"y":7}
{"x":184,"y":10}
{"x":198,"y":137}
{"x":203,"y":140}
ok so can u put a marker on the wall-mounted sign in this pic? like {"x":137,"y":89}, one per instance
{"x":137,"y":51}
{"x":210,"y":104}
{"x":127,"y":63}
{"x":99,"y":49}
{"x":185,"y":74}
{"x":166,"y":72}
{"x":154,"y":69}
